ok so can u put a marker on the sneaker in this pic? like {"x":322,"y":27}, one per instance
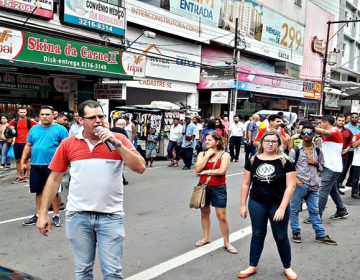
{"x":56,"y":221}
{"x":31,"y":221}
{"x":342,"y":214}
{"x":341,"y":192}
{"x":356,"y":196}
{"x":307,"y":220}
{"x":8,"y":165}
{"x":341,"y":186}
{"x":296,"y":238}
{"x":326,"y":240}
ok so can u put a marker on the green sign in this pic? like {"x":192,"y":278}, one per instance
{"x":24,"y":82}
{"x":60,"y":53}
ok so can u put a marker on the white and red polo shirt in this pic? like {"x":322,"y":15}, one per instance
{"x":332,"y":148}
{"x":356,"y":159}
{"x":96,"y":174}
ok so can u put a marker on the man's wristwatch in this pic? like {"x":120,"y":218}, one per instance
{"x":118,"y":144}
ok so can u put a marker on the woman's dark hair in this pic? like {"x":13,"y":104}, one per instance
{"x":211,"y":124}
{"x":90,"y":104}
{"x":221,"y":126}
{"x":217,"y":137}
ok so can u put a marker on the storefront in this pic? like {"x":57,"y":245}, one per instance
{"x":166,"y":69}
{"x":63,"y":72}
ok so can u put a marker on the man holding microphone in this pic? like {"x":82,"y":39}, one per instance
{"x":95,"y":214}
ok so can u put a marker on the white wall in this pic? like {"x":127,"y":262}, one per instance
{"x":288,"y":9}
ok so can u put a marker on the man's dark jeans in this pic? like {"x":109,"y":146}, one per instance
{"x":260,"y":214}
{"x":250,"y":151}
{"x":235,"y":143}
{"x":355,"y":179}
{"x":187,"y":154}
{"x":346,"y":169}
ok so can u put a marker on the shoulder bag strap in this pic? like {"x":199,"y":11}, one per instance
{"x":213,"y":167}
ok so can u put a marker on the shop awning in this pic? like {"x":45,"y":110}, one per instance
{"x":59,"y":69}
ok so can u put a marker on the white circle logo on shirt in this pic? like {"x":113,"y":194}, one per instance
{"x":265,"y":169}
{"x":265,"y":172}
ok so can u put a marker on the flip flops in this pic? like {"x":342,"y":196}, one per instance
{"x":201,"y":243}
{"x":232,"y":250}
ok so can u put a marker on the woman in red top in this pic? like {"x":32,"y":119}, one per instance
{"x":212,"y":166}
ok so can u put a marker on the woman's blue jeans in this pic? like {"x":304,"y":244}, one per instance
{"x":260,"y":214}
{"x":88,"y":230}
{"x":4,"y":147}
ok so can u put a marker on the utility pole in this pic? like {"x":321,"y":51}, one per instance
{"x":234,"y":92}
{"x":323,"y":76}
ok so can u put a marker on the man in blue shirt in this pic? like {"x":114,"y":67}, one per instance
{"x":355,"y":129}
{"x":187,"y":146}
{"x":41,"y":144}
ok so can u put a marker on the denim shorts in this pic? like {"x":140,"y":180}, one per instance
{"x":216,"y":196}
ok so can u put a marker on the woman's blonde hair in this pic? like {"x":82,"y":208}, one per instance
{"x":279,"y":150}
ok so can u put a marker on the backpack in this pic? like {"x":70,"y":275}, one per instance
{"x":297,"y":153}
{"x":28,"y":123}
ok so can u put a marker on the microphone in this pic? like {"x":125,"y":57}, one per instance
{"x":110,"y":146}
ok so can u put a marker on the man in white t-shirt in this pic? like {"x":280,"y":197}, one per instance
{"x":236,"y":134}
{"x":332,"y":149}
{"x":175,"y":139}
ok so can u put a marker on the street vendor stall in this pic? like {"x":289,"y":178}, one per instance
{"x":158,"y":115}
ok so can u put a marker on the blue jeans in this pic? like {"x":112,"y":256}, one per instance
{"x":4,"y":147}
{"x":312,"y":202}
{"x":260,"y":214}
{"x":85,"y":231}
{"x":329,"y":186}
{"x":171,"y":146}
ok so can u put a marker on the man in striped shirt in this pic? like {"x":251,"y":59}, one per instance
{"x":332,"y":149}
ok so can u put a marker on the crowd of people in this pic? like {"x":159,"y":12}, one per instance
{"x":285,"y":165}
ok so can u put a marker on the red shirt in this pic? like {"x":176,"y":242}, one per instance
{"x":22,"y":129}
{"x":215,"y":181}
{"x":263,"y":130}
{"x":347,"y":139}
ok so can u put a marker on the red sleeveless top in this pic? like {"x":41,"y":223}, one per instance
{"x":215,"y":181}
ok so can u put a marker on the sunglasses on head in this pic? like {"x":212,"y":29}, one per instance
{"x":307,"y":133}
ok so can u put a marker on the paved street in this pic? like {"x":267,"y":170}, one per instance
{"x":161,"y":231}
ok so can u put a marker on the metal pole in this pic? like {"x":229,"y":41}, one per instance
{"x":322,"y":103}
{"x":233,"y":99}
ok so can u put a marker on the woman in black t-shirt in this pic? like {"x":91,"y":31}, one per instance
{"x":273,"y":179}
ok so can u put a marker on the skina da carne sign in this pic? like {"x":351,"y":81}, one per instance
{"x":45,"y":51}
